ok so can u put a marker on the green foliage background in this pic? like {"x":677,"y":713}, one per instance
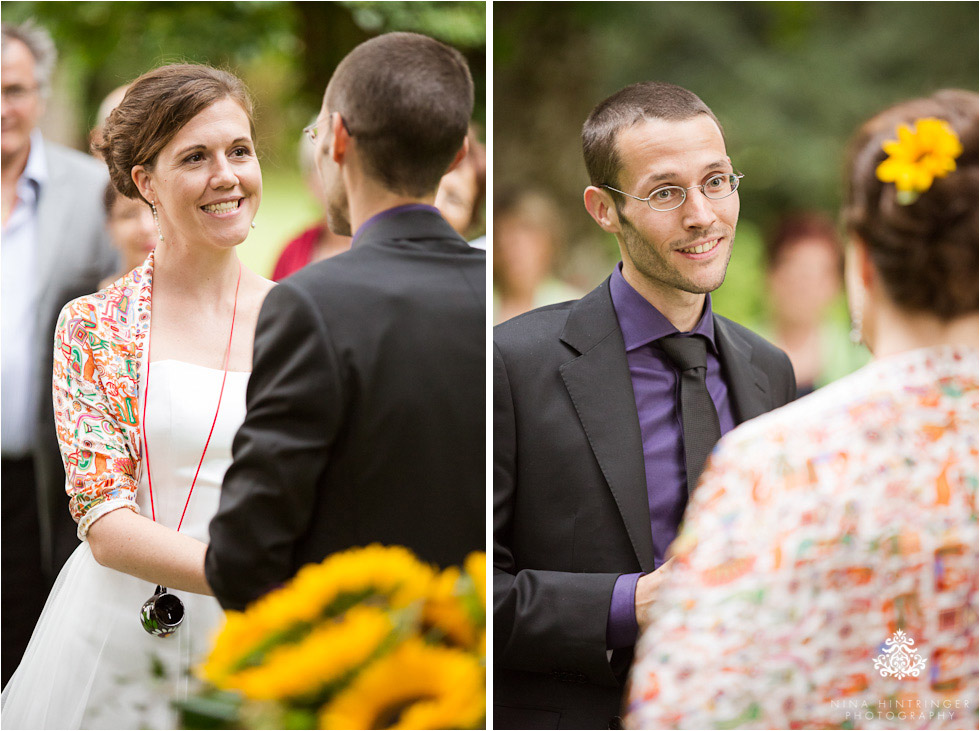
{"x":284,"y":51}
{"x":790,"y":82}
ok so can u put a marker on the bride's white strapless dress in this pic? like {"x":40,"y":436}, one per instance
{"x":90,"y":663}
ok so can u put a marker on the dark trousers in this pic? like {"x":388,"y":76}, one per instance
{"x":23,"y":588}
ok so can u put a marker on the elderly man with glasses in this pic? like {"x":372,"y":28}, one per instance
{"x":606,"y":408}
{"x":55,"y":248}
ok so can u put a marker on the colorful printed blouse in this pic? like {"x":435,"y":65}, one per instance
{"x":826,"y":574}
{"x":98,"y":358}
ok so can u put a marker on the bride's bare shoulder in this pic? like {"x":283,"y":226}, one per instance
{"x":257,"y":286}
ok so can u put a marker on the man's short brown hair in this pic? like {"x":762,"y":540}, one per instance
{"x":629,"y":106}
{"x":407,"y":100}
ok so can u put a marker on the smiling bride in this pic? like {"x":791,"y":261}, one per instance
{"x":149,"y":390}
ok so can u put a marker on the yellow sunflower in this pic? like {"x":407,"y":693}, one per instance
{"x":919,"y":156}
{"x":476,"y":568}
{"x":446,"y":611}
{"x":327,"y":589}
{"x":417,"y":686}
{"x":328,"y":654}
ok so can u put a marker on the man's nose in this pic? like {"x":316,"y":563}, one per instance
{"x":697,"y":210}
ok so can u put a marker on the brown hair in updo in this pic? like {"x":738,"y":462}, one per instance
{"x":925,"y":252}
{"x":156,"y":106}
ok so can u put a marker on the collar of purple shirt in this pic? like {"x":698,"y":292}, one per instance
{"x":642,"y":323}
{"x":389,"y":213}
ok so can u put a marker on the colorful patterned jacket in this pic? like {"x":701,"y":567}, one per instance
{"x":826,"y":573}
{"x":98,"y":359}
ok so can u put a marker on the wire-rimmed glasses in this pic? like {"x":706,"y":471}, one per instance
{"x":18,"y":94}
{"x":313,"y":130}
{"x":669,"y":197}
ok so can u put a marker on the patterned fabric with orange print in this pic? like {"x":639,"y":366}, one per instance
{"x":98,"y":357}
{"x":818,"y":532}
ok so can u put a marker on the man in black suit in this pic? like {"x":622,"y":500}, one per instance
{"x":594,"y":455}
{"x":366,"y":403}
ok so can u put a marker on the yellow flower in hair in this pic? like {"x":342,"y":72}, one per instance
{"x":416,"y":686}
{"x":918,"y":157}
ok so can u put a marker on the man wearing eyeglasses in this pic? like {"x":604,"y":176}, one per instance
{"x":606,"y":408}
{"x":54,"y":248}
{"x":367,"y":400}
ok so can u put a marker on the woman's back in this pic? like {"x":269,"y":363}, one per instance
{"x":821,"y":530}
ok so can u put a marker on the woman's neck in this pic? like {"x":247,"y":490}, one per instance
{"x":195,"y":271}
{"x":896,"y":331}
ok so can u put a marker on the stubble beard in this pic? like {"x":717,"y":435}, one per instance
{"x":338,"y":212}
{"x":655,"y":268}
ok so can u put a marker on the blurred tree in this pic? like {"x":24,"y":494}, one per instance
{"x":790,"y":82}
{"x":286,"y":51}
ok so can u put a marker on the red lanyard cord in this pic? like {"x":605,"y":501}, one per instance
{"x":146,"y":394}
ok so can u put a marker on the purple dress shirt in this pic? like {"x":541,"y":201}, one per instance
{"x":656,"y":389}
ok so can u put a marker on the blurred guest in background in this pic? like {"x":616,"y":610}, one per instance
{"x":826,"y":575}
{"x":317,"y":242}
{"x":108,"y":104}
{"x":461,"y":195}
{"x":55,"y":248}
{"x":804,"y":264}
{"x":131,"y":229}
{"x":527,"y":231}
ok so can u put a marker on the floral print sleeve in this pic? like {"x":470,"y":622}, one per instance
{"x":817,"y":535}
{"x":96,"y":373}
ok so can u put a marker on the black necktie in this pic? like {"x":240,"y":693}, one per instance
{"x":698,"y":415}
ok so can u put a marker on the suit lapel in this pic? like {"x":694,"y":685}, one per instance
{"x":598,"y":382}
{"x":53,"y":209}
{"x":747,"y":383}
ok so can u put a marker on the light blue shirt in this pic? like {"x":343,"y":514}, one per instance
{"x":18,"y":309}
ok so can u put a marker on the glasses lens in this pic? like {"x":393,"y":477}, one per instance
{"x":667,"y":198}
{"x":720,"y":186}
{"x":17,"y":94}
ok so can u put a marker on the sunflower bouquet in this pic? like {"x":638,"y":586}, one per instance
{"x":369,"y":638}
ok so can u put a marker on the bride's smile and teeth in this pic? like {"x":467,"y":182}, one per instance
{"x":223,"y":206}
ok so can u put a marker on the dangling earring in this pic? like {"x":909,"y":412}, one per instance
{"x":156,"y":220}
{"x":857,"y":320}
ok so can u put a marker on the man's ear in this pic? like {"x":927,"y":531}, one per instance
{"x":340,"y":139}
{"x":463,"y":152}
{"x":141,"y":178}
{"x":599,"y":204}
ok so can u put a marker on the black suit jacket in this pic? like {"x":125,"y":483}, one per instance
{"x":570,"y":500}
{"x":366,"y":411}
